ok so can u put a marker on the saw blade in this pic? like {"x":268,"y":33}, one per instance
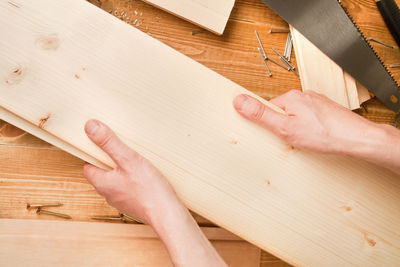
{"x":328,"y":25}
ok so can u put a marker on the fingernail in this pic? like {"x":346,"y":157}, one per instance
{"x":91,"y":127}
{"x":241,"y":102}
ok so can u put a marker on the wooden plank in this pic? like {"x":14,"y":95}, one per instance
{"x":280,"y":215}
{"x":233,"y":55}
{"x":363,"y":93}
{"x":210,"y":14}
{"x":319,"y":73}
{"x":230,"y":55}
{"x":32,"y":171}
{"x":357,"y":93}
{"x":50,"y":243}
{"x":352,"y":91}
{"x":34,"y":130}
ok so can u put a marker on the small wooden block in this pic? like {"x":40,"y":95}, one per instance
{"x":322,"y":75}
{"x":209,"y":14}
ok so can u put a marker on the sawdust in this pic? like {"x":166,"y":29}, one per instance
{"x":121,"y":9}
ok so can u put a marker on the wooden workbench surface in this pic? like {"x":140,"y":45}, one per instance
{"x":34,"y":171}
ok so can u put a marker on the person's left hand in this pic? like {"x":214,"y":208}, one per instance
{"x":135,"y":186}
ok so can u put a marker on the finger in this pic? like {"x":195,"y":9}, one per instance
{"x":106,"y":139}
{"x":93,"y":174}
{"x":254,"y":110}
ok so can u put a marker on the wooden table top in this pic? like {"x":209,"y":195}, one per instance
{"x":34,"y":171}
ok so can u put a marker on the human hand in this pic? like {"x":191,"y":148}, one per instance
{"x":311,"y":122}
{"x":135,"y":186}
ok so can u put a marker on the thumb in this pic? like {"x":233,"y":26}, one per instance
{"x":252,"y":109}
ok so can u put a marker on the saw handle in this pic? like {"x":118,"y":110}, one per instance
{"x":391,"y":14}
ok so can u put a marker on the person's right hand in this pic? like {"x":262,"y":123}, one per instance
{"x":313,"y":122}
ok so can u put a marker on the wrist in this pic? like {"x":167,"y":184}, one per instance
{"x":183,"y":238}
{"x":163,"y":216}
{"x":379,"y":144}
{"x":368,"y":141}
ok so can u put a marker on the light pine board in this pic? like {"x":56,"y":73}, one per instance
{"x":320,"y":74}
{"x":363,"y":93}
{"x":61,"y":243}
{"x":230,"y":54}
{"x":308,"y":209}
{"x":44,"y":135}
{"x":234,"y":54}
{"x":352,"y":91}
{"x":210,"y":14}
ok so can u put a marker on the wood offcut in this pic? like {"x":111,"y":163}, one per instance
{"x":209,"y":14}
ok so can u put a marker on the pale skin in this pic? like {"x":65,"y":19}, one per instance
{"x":310,"y":122}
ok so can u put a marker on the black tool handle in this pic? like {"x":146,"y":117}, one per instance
{"x":391,"y":14}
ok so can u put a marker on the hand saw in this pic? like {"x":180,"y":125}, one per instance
{"x":328,"y":25}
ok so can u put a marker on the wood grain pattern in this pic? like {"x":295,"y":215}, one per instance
{"x":227,"y":55}
{"x":318,"y":72}
{"x":353,"y":91}
{"x":38,"y":132}
{"x":234,"y":55}
{"x":209,"y":14}
{"x":228,"y":182}
{"x":322,"y":75}
{"x":50,"y":243}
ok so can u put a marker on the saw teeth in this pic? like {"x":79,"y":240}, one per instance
{"x":369,"y":44}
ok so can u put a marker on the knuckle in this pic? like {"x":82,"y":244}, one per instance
{"x":294,"y":92}
{"x":125,"y":161}
{"x":128,"y":159}
{"x":311,"y":94}
{"x":133,"y":165}
{"x":285,"y":131}
{"x":257,"y":112}
{"x":105,"y":140}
